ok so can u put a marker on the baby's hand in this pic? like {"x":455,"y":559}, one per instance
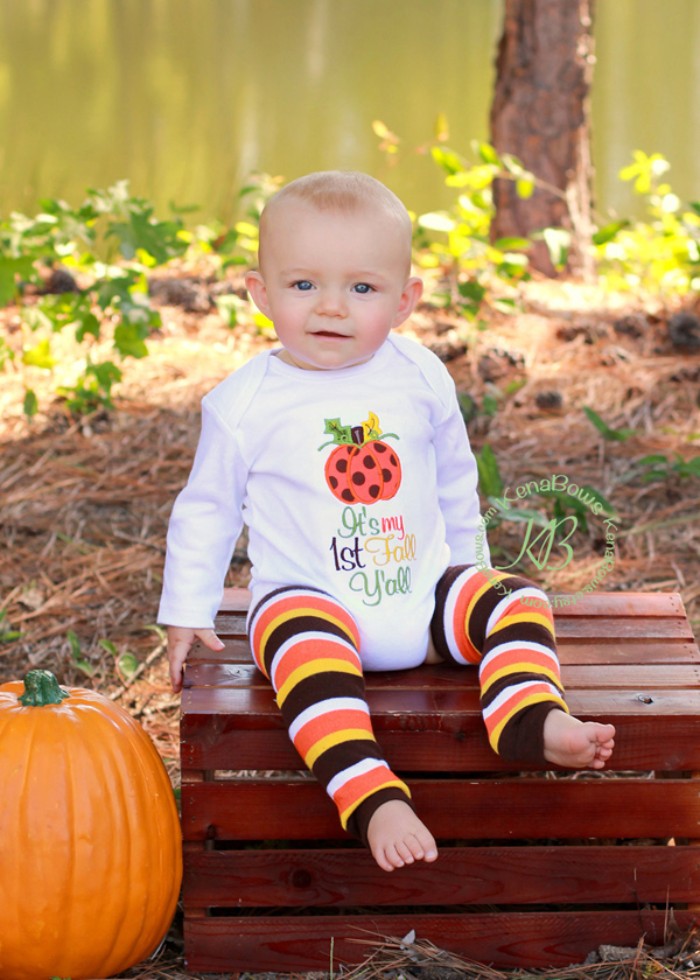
{"x":180,"y":640}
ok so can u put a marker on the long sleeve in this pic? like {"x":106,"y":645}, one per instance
{"x":204,"y":526}
{"x":459,"y":500}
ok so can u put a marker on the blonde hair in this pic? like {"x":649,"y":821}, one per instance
{"x":346,"y":191}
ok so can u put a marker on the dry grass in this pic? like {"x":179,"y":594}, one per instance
{"x":85,"y":505}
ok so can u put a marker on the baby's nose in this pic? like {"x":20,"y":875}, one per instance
{"x":331,"y":302}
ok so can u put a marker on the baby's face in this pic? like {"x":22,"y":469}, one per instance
{"x":333,"y":283}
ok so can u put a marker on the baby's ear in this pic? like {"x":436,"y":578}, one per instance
{"x":410,"y":297}
{"x":255,"y":284}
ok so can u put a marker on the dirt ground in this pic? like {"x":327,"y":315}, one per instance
{"x":85,"y":502}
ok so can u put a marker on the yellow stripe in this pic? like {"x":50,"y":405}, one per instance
{"x":336,"y":738}
{"x":522,"y":667}
{"x":303,"y":611}
{"x":315,"y":667}
{"x":495,"y":735}
{"x":525,"y":617}
{"x":348,"y":812}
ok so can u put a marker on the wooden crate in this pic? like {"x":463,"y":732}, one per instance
{"x":534,"y":870}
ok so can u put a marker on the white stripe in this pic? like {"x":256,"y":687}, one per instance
{"x":298,"y":638}
{"x":506,"y":601}
{"x":453,"y":595}
{"x":508,"y":692}
{"x":326,"y":707}
{"x":523,"y":645}
{"x":358,"y":769}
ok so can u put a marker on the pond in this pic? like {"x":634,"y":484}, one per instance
{"x":186,"y":98}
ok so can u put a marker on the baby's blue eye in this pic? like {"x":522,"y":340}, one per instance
{"x":363,"y":288}
{"x":303,"y":285}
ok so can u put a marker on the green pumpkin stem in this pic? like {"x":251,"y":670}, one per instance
{"x":41,"y":688}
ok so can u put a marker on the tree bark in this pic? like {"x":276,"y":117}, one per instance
{"x":541,"y":115}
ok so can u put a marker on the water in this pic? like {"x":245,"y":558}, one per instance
{"x":187,"y":97}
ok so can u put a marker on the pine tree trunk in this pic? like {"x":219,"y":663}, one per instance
{"x":540,"y":114}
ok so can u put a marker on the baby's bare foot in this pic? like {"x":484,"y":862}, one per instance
{"x":576,"y":744}
{"x":397,"y":837}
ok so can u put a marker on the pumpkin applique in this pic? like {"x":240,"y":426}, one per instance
{"x":362,"y":468}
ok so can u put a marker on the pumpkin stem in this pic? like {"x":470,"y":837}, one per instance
{"x":41,"y":688}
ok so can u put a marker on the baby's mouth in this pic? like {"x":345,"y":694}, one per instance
{"x":330,"y":333}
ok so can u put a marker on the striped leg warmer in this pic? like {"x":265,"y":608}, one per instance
{"x":502,"y":623}
{"x":307,"y":645}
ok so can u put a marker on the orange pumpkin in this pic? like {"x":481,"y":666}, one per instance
{"x":90,"y":846}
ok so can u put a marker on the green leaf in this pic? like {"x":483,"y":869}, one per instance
{"x":39,"y":355}
{"x":490,"y":405}
{"x":690,"y":467}
{"x":87,"y":324}
{"x":10,"y":270}
{"x":489,"y":154}
{"x":447,"y":159}
{"x":128,"y":664}
{"x":654,"y":459}
{"x":489,"y":474}
{"x":129,"y":341}
{"x":467,"y":406}
{"x":342,"y":434}
{"x":471,"y":290}
{"x":614,"y":435}
{"x":609,"y":232}
{"x":525,"y":186}
{"x":142,"y":232}
{"x":30,"y":404}
{"x":512,"y":244}
{"x":76,"y":654}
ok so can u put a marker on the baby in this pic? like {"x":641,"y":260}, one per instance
{"x":345,"y":454}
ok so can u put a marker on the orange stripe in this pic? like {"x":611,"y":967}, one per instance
{"x":470,"y":592}
{"x":305,"y":650}
{"x":496,"y":722}
{"x":301,"y":605}
{"x":327,"y":724}
{"x":516,"y":661}
{"x":312,"y":669}
{"x":357,"y":790}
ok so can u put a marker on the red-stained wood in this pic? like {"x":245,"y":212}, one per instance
{"x":506,"y":940}
{"x":626,"y":657}
{"x":390,"y":706}
{"x":642,"y":675}
{"x":642,"y":744}
{"x":474,"y":875}
{"x":594,"y":604}
{"x":518,"y":808}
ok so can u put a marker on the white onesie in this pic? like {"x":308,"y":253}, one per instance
{"x":359,"y":482}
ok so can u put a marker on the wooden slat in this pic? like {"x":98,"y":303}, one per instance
{"x":396,"y":707}
{"x":593,"y":604}
{"x":641,"y":744}
{"x":537,"y":939}
{"x":604,"y":629}
{"x":640,"y":675}
{"x":608,"y":629}
{"x":284,"y":809}
{"x":460,"y":876}
{"x":619,"y":604}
